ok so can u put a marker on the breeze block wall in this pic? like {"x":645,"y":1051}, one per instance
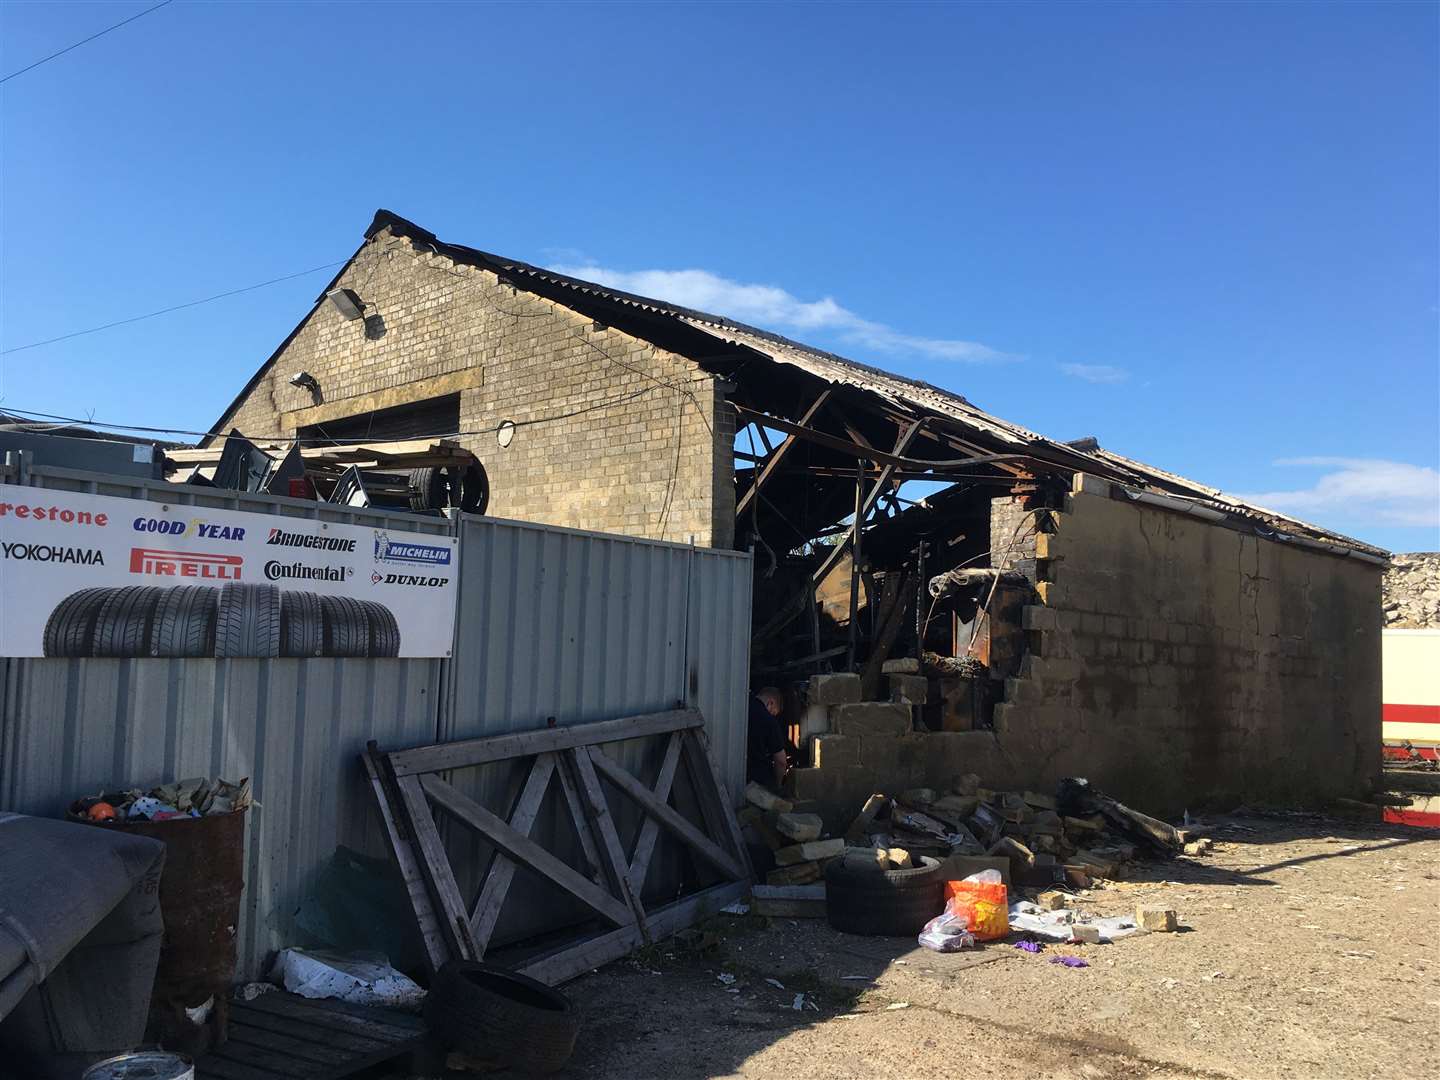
{"x":1177,"y":663}
{"x":647,"y":451}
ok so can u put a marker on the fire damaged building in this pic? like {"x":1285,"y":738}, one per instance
{"x":1054,"y":610}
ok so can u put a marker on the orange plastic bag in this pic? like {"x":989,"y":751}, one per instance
{"x":982,"y":902}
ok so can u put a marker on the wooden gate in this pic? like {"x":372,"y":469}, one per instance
{"x":408,"y":789}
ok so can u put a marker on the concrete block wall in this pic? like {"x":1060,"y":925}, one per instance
{"x":647,"y":451}
{"x":1177,"y":663}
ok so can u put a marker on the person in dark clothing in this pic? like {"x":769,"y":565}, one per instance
{"x":765,"y":759}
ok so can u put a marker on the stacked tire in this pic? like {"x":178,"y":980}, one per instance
{"x":883,"y":903}
{"x":233,"y":621}
{"x":502,"y":1017}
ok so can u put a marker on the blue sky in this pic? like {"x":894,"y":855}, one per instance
{"x":1205,"y":234}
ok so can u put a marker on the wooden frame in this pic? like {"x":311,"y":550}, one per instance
{"x":408,"y":789}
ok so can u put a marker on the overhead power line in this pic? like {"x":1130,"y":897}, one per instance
{"x":84,"y":41}
{"x":166,"y":311}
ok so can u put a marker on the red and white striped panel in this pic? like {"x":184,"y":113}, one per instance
{"x":1410,"y":677}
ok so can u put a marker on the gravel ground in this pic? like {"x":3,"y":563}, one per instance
{"x":1307,"y":950}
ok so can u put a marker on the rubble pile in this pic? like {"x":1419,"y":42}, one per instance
{"x":796,"y":838}
{"x":1411,"y":591}
{"x":198,"y":797}
{"x":1073,"y":837}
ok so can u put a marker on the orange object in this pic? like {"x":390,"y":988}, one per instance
{"x":983,"y":905}
{"x":101,"y":811}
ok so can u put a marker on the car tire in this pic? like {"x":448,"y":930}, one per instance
{"x":302,"y":624}
{"x":347,"y":630}
{"x":429,"y":489}
{"x":384,"y":630}
{"x":70,"y":630}
{"x":123,"y":626}
{"x":475,"y":490}
{"x":883,"y":903}
{"x":248,"y":621}
{"x":184,"y":623}
{"x":502,"y":1016}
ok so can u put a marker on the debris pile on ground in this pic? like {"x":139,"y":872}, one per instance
{"x":1411,"y":591}
{"x":197,"y":797}
{"x":796,"y":838}
{"x":1072,"y":837}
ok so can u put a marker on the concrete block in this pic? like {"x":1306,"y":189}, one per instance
{"x":1051,"y":900}
{"x":909,"y":689}
{"x":1085,"y":934}
{"x":834,"y":689}
{"x":904,"y":665}
{"x":834,"y":751}
{"x":1159,"y":919}
{"x":871,"y":718}
{"x":1085,"y":484}
{"x":799,"y":827}
{"x":812,"y":851}
{"x":899,"y":858}
{"x":799,"y":874}
{"x":1034,"y":617}
{"x":765,"y":799}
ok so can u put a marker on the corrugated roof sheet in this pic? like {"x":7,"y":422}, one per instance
{"x":912,"y":393}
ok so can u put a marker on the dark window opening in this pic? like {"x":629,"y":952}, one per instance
{"x":431,"y":418}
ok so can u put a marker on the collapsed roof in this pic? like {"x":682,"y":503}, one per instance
{"x":973,"y":438}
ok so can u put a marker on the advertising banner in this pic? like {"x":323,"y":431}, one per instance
{"x":92,"y":575}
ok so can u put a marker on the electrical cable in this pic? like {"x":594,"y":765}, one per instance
{"x":83,"y":41}
{"x":166,"y":311}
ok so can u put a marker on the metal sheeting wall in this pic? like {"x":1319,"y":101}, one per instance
{"x":553,"y":622}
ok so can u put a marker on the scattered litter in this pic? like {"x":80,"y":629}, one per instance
{"x":739,"y":907}
{"x":1029,"y":946}
{"x":799,"y":1003}
{"x":198,"y":797}
{"x":856,"y":978}
{"x":1169,"y":984}
{"x":361,"y":978}
{"x":725,"y":978}
{"x":733,"y":990}
{"x":1214,"y":975}
{"x":200,"y":1013}
{"x":776,"y":983}
{"x":1070,"y":961}
{"x":897,"y":1005}
{"x":251,"y":991}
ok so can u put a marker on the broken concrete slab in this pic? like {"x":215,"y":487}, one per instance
{"x":765,"y":799}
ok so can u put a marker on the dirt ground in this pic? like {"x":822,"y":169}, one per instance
{"x":1308,"y":949}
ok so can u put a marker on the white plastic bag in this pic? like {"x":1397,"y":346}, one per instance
{"x":946,"y":933}
{"x":361,"y":978}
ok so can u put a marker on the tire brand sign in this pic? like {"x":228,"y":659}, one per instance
{"x":93,"y":575}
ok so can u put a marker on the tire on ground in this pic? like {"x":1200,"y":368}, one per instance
{"x":347,"y":630}
{"x":302,"y":624}
{"x":384,"y":630}
{"x":502,"y":1016}
{"x":248,"y":622}
{"x":883,"y":903}
{"x":123,"y":626}
{"x":70,"y":630}
{"x":184,"y":622}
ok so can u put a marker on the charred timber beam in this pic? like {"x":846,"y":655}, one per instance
{"x":774,"y":459}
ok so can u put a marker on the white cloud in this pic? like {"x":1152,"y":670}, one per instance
{"x":771,"y":307}
{"x":1096,"y":373}
{"x":1365,"y":490}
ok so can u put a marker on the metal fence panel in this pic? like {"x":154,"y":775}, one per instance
{"x":552,"y":623}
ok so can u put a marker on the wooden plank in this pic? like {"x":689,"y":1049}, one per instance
{"x":710,"y":787}
{"x":668,"y":818}
{"x":597,"y":811}
{"x":435,"y":865}
{"x":502,"y":871}
{"x":650,"y":830}
{"x":384,"y":1024}
{"x":435,"y":943}
{"x":569,"y":961}
{"x":521,"y":848}
{"x":459,"y":755}
{"x":303,"y":1029}
{"x":261,"y":1057}
{"x":772,"y":462}
{"x":577,"y":815}
{"x":212,"y":1068}
{"x":318,"y":1051}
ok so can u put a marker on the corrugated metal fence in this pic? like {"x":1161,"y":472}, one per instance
{"x":552,"y":622}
